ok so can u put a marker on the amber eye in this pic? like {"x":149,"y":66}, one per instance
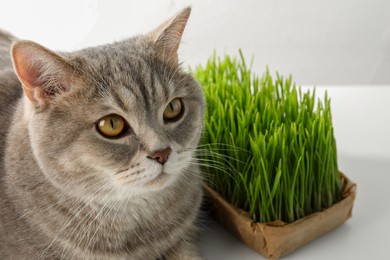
{"x":173,"y":111}
{"x":111,"y":126}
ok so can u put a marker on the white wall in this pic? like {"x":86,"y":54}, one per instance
{"x":319,"y":42}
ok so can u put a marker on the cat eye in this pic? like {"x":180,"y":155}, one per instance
{"x":173,"y":111}
{"x":111,"y":126}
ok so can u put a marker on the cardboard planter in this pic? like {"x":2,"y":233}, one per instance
{"x":276,"y":239}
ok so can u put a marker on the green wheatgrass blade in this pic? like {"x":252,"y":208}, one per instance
{"x":270,"y":146}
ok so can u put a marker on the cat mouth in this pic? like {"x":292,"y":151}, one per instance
{"x":159,"y":179}
{"x":161,"y":175}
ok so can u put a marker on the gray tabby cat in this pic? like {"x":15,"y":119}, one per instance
{"x":97,"y":150}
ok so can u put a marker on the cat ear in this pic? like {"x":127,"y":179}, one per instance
{"x":43,"y":73}
{"x":166,"y":38}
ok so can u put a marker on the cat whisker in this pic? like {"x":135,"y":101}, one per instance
{"x":219,"y":167}
{"x":86,"y":218}
{"x":216,"y":151}
{"x":121,"y":171}
{"x":212,"y":155}
{"x":125,"y":194}
{"x":99,"y":225}
{"x":215,"y":162}
{"x":218,"y":145}
{"x":81,"y":205}
{"x":133,"y":174}
{"x":137,"y":177}
{"x":211,"y":166}
{"x":117,"y":203}
{"x":195,"y":173}
{"x":126,"y":169}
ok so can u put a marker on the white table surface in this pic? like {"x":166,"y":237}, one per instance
{"x":361,"y":118}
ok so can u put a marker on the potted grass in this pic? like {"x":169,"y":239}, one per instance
{"x":272,"y":177}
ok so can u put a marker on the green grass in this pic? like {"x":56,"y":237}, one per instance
{"x":268,"y":147}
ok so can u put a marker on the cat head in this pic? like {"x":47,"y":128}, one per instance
{"x":112,"y":120}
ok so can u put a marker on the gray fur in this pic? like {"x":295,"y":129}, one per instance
{"x":5,"y":42}
{"x":68,"y":193}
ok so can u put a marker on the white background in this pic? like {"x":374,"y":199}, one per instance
{"x":319,"y":42}
{"x":342,"y":46}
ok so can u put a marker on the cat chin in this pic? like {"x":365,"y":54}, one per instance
{"x":155,"y":180}
{"x":160,"y":182}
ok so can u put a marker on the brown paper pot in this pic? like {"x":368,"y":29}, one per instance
{"x":276,"y":239}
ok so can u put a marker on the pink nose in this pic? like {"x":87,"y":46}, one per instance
{"x":160,"y":156}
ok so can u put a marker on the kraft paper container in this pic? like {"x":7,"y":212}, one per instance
{"x":276,"y":239}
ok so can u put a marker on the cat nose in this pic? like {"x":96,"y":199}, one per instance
{"x":160,"y":156}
